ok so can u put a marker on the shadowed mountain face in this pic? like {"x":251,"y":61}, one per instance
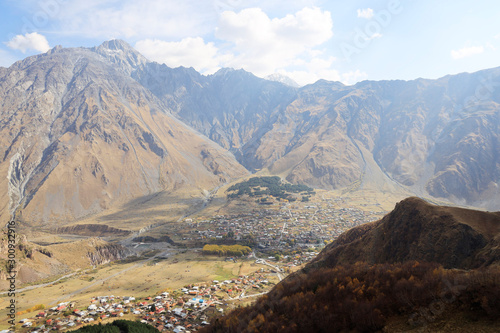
{"x":433,"y":137}
{"x":416,"y":230}
{"x":86,"y":129}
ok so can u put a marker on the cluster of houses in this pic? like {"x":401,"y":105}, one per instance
{"x":183,"y":310}
{"x":293,"y":226}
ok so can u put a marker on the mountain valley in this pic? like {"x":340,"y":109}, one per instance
{"x":117,"y":172}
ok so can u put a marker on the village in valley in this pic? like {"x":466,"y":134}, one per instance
{"x":182,"y":310}
{"x":280,"y":237}
{"x":291,"y":228}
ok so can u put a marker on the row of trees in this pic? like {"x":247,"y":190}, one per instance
{"x":227,"y":250}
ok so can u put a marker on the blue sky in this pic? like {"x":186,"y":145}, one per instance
{"x":346,"y":41}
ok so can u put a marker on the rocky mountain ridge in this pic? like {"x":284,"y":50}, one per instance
{"x":432,"y":137}
{"x":74,"y":122}
{"x":78,"y":136}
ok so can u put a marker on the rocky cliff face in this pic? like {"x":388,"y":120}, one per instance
{"x":35,"y":262}
{"x":231,"y":107}
{"x":107,"y":253}
{"x":96,"y":230}
{"x":412,"y":134}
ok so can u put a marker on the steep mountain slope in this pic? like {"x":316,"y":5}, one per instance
{"x":231,"y":107}
{"x":432,"y":137}
{"x":412,"y":134}
{"x":78,"y":135}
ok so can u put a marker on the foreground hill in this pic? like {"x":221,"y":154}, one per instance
{"x":369,"y":280}
{"x":416,"y":230}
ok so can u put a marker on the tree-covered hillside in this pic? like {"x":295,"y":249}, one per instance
{"x":268,"y":186}
{"x":363,"y":298}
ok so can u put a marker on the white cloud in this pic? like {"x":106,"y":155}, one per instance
{"x":318,"y":69}
{"x":263,"y":45}
{"x":366,"y":13}
{"x":32,"y":41}
{"x":490,"y":46}
{"x":317,"y":65}
{"x":251,"y":40}
{"x":274,"y":6}
{"x":466,"y":52}
{"x":307,"y":27}
{"x":189,"y":52}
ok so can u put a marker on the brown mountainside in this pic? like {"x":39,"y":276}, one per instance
{"x":416,"y":230}
{"x":432,"y":137}
{"x":79,"y":136}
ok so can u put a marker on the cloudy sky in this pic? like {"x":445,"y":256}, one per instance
{"x":346,"y":41}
